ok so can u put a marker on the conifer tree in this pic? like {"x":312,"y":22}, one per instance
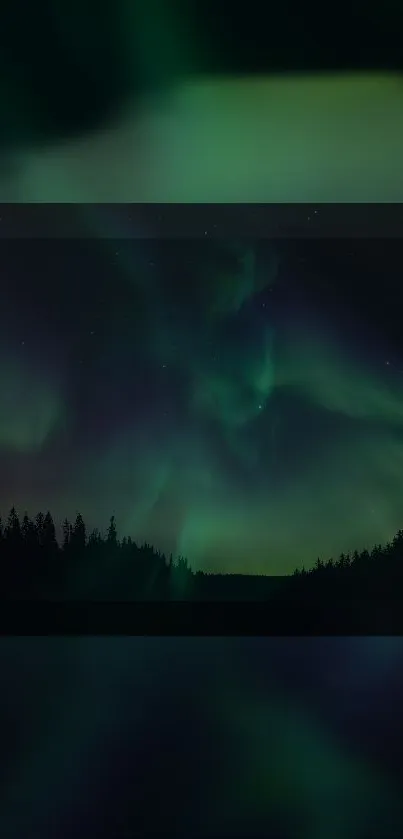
{"x":112,"y":533}
{"x":66,"y":528}
{"x":49,"y":534}
{"x":79,"y":533}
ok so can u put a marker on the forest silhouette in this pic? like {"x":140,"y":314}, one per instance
{"x":358,"y":591}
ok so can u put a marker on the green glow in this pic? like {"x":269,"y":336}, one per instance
{"x":172,"y":481}
{"x":327,"y":138}
{"x":254,"y":449}
{"x":350,"y":389}
{"x":285,"y":755}
{"x":30,"y":408}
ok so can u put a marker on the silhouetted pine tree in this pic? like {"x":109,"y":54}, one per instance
{"x":39,"y":526}
{"x":78,"y":540}
{"x":397,"y":542}
{"x":13,"y":531}
{"x":111,"y":537}
{"x":49,"y":534}
{"x":67,"y":530}
{"x":29,"y":534}
{"x":342,"y":561}
{"x":94,"y":539}
{"x":356,"y":559}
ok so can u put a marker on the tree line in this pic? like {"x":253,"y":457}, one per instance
{"x":96,"y":565}
{"x":369,"y":573}
{"x":92,"y":564}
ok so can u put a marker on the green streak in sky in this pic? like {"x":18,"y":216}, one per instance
{"x":266,"y":139}
{"x":30,"y":408}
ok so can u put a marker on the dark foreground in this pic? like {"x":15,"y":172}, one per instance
{"x":286,"y":617}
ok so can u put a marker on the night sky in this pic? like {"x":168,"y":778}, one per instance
{"x":235,"y":398}
{"x":324,"y":137}
{"x":170,"y":101}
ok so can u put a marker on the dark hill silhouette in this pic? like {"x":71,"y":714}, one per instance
{"x":360,"y":591}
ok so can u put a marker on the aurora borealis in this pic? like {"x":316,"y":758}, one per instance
{"x":299,"y":138}
{"x":236,"y":400}
{"x":166,"y":101}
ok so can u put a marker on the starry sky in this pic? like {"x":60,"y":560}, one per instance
{"x":228,"y":395}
